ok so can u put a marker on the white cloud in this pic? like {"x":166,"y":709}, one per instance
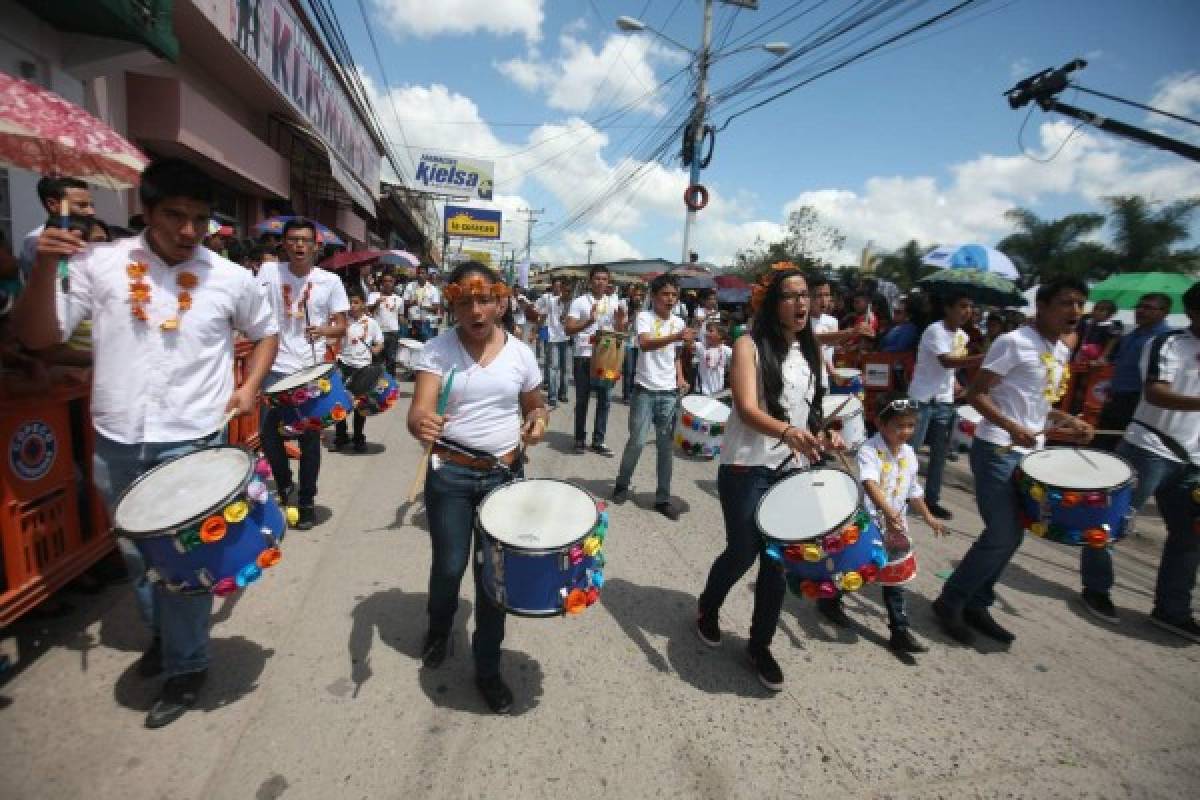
{"x":426,"y":19}
{"x":1178,"y":94}
{"x":1021,"y":68}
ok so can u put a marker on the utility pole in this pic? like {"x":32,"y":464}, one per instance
{"x":698,"y":115}
{"x":531,"y":215}
{"x":590,"y":244}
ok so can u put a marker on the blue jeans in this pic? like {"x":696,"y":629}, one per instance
{"x":935,"y":421}
{"x":452,"y":494}
{"x":740,"y":489}
{"x":583,"y":392}
{"x":972,"y":584}
{"x":657,"y":407}
{"x":557,"y":364}
{"x":180,"y":620}
{"x":1181,"y":552}
{"x":272,"y":447}
{"x":628,"y":369}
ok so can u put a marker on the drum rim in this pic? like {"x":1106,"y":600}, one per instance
{"x":1116,"y":486}
{"x":842,"y":524}
{"x":328,"y":367}
{"x":910,"y":555}
{"x":539,"y":551}
{"x":683,"y":407}
{"x":159,"y":532}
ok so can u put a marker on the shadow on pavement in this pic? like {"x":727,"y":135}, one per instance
{"x":237,"y":664}
{"x":373,"y":449}
{"x":560,"y":441}
{"x":642,"y":611}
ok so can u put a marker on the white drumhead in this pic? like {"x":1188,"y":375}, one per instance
{"x":306,"y":375}
{"x":706,"y":408}
{"x":412,"y":344}
{"x":183,"y":489}
{"x":832,"y":402}
{"x":807,"y":504}
{"x":538,"y":514}
{"x":1076,"y":468}
{"x":847,"y":373}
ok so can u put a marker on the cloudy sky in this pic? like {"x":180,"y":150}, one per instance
{"x":913,"y":141}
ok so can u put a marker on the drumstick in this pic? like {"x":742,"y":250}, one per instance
{"x":307,"y":325}
{"x":423,"y":467}
{"x":827,"y":422}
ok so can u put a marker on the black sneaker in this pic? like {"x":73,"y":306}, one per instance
{"x":308,"y":518}
{"x":285,"y":494}
{"x":981,"y":620}
{"x":434,"y":652}
{"x":150,"y":664}
{"x":939,"y":512}
{"x":708,"y":629}
{"x":602,"y":449}
{"x":831,"y":609}
{"x":360,"y":445}
{"x":1187,"y":628}
{"x":562,"y":398}
{"x":952,"y":623}
{"x":769,"y":673}
{"x":580,"y":448}
{"x":552,"y":404}
{"x":668,"y":510}
{"x":178,"y":695}
{"x":339,"y":442}
{"x":620,"y":494}
{"x":1100,"y":605}
{"x":903,"y":641}
{"x":496,"y":694}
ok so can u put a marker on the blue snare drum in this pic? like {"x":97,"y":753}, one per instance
{"x":1075,"y":495}
{"x":380,"y":398}
{"x":814,"y":525}
{"x":204,"y":522}
{"x":845,"y":380}
{"x":542,"y":543}
{"x":309,"y":400}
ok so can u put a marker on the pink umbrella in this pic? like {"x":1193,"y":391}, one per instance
{"x":42,"y":132}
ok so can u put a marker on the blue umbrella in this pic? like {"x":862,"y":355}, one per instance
{"x":972,"y":256}
{"x":274,"y":226}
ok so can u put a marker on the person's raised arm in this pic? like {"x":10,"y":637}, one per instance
{"x":36,"y":314}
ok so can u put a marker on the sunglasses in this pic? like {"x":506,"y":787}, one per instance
{"x":901,"y":405}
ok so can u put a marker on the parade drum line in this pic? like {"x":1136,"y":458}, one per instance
{"x":204,"y":522}
{"x":815,"y":527}
{"x":309,"y":400}
{"x":608,"y":357}
{"x":542,"y":547}
{"x":701,"y":426}
{"x":1075,"y":495}
{"x":845,"y":380}
{"x":844,"y":413}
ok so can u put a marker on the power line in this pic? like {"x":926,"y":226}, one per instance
{"x":1135,"y":104}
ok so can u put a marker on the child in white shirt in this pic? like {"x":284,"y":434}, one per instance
{"x":712,"y":360}
{"x":362,"y":341}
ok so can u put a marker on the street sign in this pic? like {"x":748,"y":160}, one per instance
{"x":472,"y":223}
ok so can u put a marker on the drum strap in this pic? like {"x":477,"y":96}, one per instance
{"x":1178,"y":450}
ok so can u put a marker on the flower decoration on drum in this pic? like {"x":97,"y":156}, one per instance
{"x":475,"y":287}
{"x":213,"y":529}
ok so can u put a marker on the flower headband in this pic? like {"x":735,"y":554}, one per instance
{"x":475,"y":287}
{"x":758,"y":291}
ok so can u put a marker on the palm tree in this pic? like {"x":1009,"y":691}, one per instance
{"x":1043,"y":249}
{"x":1144,"y":238}
{"x":903,"y":267}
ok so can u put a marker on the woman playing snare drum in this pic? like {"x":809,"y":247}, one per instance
{"x":776,"y":381}
{"x":493,"y":377}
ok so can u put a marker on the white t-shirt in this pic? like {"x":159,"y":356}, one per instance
{"x":325,"y":297}
{"x":745,"y":446}
{"x":1029,"y":366}
{"x":151,"y":385}
{"x":388,"y":311}
{"x":932,"y":381}
{"x":422,"y":301}
{"x":895,"y":474}
{"x":551,"y":310}
{"x":632,"y":342}
{"x":702,"y":313}
{"x":656,"y":368}
{"x":581,"y":309}
{"x":826,"y":324}
{"x":1176,"y":362}
{"x":361,"y":335}
{"x":484,"y":405}
{"x":518,"y":310}
{"x":711,"y":365}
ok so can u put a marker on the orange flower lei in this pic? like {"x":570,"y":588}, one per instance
{"x":139,"y":294}
{"x":475,"y":287}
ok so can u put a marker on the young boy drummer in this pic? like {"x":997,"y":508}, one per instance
{"x":361,"y":343}
{"x":164,"y":310}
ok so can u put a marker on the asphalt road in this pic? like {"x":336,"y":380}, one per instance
{"x":317,"y":690}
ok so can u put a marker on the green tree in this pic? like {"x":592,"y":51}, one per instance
{"x":1043,"y":249}
{"x":807,"y":243}
{"x":903,"y":267}
{"x":1143,"y":238}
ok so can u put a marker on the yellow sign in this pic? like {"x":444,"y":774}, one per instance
{"x":482,"y":256}
{"x":473,"y":224}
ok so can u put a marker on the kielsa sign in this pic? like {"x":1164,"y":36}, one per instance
{"x":472,"y":223}
{"x":454,"y":176}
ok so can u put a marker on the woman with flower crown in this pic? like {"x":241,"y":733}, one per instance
{"x":1023,"y":376}
{"x":494,"y":406}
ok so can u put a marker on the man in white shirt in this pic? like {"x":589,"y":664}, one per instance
{"x":656,"y":391}
{"x":362,"y":342}
{"x":61,"y":197}
{"x":1023,"y":375}
{"x":310,"y":305}
{"x":164,"y":311}
{"x":942,"y":351}
{"x":388,"y":309}
{"x":631,"y":306}
{"x":1162,"y":445}
{"x":825,"y":325}
{"x":588,"y":313}
{"x":422,"y":299}
{"x":551,"y":311}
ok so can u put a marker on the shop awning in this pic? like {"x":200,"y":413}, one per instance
{"x":145,"y":22}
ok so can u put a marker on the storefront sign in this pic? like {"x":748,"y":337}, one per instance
{"x":472,"y":223}
{"x":454,"y":176}
{"x":482,"y":256}
{"x":268,"y":33}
